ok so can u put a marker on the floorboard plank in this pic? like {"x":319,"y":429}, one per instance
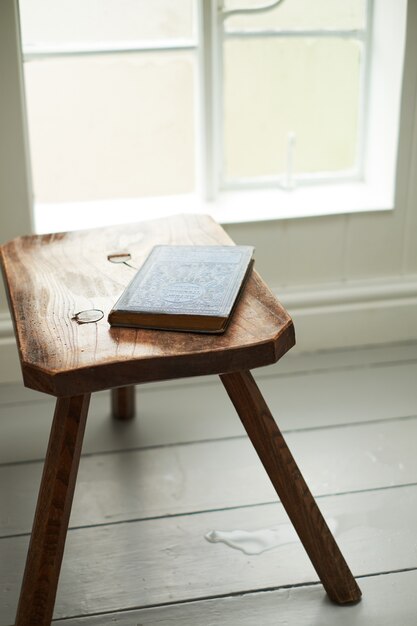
{"x":387,"y":600}
{"x":214,"y":475}
{"x":349,"y":421}
{"x":133,"y":565}
{"x":178,"y":414}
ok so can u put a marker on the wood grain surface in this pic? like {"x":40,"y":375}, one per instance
{"x":46,"y":548}
{"x":291,"y":487}
{"x":123,"y":403}
{"x":51,"y":278}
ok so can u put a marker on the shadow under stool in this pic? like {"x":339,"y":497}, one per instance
{"x":55,"y":283}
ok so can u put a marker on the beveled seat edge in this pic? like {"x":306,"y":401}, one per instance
{"x":109,"y":375}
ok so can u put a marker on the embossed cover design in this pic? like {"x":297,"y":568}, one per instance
{"x":184,"y":288}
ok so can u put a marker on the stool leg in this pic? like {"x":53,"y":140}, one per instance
{"x":46,"y":548}
{"x":291,"y":488}
{"x":123,"y":403}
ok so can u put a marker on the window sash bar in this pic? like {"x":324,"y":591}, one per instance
{"x":280,"y":181}
{"x":365,"y":90}
{"x":210,"y":63}
{"x":342,"y":34}
{"x":33,"y":52}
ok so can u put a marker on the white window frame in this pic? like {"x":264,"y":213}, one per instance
{"x":373,"y":191}
{"x":374,"y":187}
{"x":215,"y":24}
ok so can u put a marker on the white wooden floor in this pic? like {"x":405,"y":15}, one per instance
{"x":148,"y":492}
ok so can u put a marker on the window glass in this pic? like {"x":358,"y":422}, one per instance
{"x":63,"y":22}
{"x":299,"y":14}
{"x":276,"y":88}
{"x":112,"y":125}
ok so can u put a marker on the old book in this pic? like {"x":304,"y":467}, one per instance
{"x":187,"y":288}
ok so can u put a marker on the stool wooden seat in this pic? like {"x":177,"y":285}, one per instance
{"x":50,"y":280}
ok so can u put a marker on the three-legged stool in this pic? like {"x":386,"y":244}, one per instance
{"x":60,"y":289}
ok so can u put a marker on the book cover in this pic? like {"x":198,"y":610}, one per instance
{"x":189,"y":288}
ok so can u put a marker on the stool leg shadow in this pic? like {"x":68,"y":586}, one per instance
{"x":123,"y":403}
{"x":50,"y":525}
{"x":291,"y":488}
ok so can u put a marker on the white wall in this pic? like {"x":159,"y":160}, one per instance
{"x":15,"y":194}
{"x":346,"y":279}
{"x":15,"y":198}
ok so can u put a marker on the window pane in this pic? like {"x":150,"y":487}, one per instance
{"x":276,"y":86}
{"x":299,"y":14}
{"x":111,"y":125}
{"x":92,"y":21}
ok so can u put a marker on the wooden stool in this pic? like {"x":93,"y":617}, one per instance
{"x":57,"y":282}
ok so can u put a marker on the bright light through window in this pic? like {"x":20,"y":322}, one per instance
{"x":114,"y":95}
{"x":293,"y":84}
{"x":110,"y":95}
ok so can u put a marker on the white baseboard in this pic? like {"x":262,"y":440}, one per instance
{"x":342,"y":315}
{"x":353,"y":313}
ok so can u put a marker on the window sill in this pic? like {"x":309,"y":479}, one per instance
{"x":230,"y":207}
